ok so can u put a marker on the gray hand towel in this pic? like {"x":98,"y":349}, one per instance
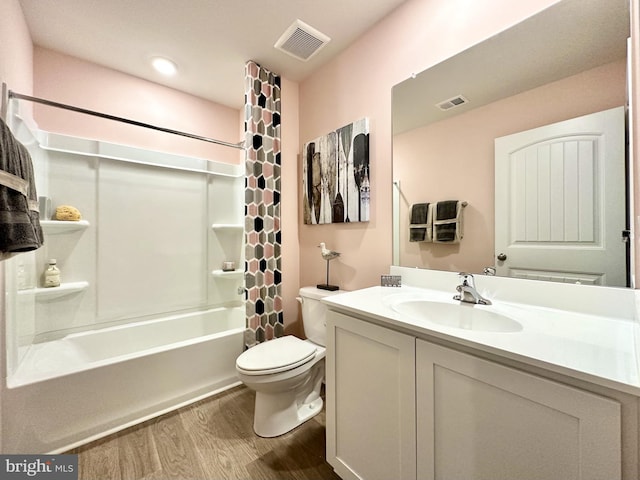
{"x":420,"y":225}
{"x":447,"y":224}
{"x":20,"y":229}
{"x":419,"y":213}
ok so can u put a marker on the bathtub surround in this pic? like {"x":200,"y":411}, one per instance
{"x":263,"y":271}
{"x":136,"y":328}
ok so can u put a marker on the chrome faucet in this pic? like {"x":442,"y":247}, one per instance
{"x":467,"y":291}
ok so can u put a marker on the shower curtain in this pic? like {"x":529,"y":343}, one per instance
{"x":263,"y":275}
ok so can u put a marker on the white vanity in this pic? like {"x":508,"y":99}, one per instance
{"x":542,"y":384}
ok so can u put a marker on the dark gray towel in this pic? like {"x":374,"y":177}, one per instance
{"x":419,"y":213}
{"x":417,"y":234}
{"x":419,"y":229}
{"x":447,"y":224}
{"x":447,"y":210}
{"x":445,"y":232}
{"x":20,"y":229}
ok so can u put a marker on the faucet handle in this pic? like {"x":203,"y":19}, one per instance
{"x":466,"y":278}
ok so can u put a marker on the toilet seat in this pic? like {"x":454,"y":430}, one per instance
{"x":274,"y":356}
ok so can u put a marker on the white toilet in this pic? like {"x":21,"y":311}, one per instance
{"x":287,"y":373}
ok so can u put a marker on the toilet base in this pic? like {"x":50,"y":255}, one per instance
{"x":277,"y":413}
{"x":276,"y":419}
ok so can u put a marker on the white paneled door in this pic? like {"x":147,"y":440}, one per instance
{"x":560,"y":201}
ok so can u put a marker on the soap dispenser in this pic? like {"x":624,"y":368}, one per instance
{"x":52,"y":274}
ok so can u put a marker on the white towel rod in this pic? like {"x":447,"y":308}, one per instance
{"x":19,"y":96}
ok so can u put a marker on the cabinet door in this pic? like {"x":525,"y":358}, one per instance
{"x":370,"y":390}
{"x":480,"y":420}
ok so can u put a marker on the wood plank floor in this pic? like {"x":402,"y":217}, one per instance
{"x":210,"y":440}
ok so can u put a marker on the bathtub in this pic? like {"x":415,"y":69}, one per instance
{"x":87,"y":385}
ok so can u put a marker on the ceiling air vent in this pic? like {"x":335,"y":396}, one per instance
{"x":452,"y":102}
{"x":301,"y":41}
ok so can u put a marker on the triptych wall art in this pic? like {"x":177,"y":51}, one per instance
{"x":335,"y":176}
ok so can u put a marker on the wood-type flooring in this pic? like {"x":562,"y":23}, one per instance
{"x":212,"y":439}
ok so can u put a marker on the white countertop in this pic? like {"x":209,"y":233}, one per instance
{"x":594,"y":348}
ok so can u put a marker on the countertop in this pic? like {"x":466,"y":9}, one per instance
{"x":593,"y":348}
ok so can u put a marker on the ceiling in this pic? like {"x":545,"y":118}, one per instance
{"x":210,"y":40}
{"x":567,"y":38}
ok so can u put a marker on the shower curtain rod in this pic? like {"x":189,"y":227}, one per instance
{"x":19,"y":96}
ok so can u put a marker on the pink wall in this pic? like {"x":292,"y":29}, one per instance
{"x":16,"y":49}
{"x":459,"y":162}
{"x":358,"y":84}
{"x":72,"y":81}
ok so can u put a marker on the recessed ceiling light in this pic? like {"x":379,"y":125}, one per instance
{"x":164,"y":66}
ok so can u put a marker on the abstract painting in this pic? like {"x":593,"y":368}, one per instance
{"x":335,"y":176}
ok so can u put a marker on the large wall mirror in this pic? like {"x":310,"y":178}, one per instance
{"x":528,"y":129}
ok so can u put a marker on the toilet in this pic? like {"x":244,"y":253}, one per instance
{"x":287,"y":373}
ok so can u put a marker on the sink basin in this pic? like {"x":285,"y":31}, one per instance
{"x":457,"y":315}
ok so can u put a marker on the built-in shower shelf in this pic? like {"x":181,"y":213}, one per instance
{"x":62,"y":226}
{"x":227,"y":226}
{"x":231,"y":275}
{"x":52,"y":293}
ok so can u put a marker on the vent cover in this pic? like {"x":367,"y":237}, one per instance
{"x":452,"y":102}
{"x":301,"y":41}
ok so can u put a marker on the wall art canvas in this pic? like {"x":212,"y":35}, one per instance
{"x":335,"y":176}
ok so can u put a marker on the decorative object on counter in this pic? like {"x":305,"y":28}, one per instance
{"x":420,"y":228}
{"x":68,"y":213}
{"x":337,"y":163}
{"x":52,"y":274}
{"x":20,"y":229}
{"x":447,"y":221}
{"x":390,"y":281}
{"x":228,"y":266}
{"x":328,"y":255}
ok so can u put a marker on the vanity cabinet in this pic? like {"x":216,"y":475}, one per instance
{"x":481,"y":420}
{"x":403,"y":407}
{"x":371,"y":422}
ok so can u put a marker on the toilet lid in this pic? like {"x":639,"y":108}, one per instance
{"x":278,"y":355}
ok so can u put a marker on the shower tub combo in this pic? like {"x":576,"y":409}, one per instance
{"x":137,"y":328}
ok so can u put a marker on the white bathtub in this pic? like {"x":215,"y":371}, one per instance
{"x":87,"y":385}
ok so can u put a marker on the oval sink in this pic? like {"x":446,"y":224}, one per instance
{"x":457,"y":315}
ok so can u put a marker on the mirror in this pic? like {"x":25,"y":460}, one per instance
{"x":565,"y":62}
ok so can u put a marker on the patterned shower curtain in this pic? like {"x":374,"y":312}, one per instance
{"x":263,"y":276}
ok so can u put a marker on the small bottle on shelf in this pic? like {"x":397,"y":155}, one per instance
{"x":52,"y":274}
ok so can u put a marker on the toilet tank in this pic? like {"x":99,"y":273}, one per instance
{"x":314,"y":313}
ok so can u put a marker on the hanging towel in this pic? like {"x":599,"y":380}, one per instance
{"x":420,"y":225}
{"x":20,"y":229}
{"x":447,"y":221}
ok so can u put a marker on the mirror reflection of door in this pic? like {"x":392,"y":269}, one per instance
{"x":560,"y":209}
